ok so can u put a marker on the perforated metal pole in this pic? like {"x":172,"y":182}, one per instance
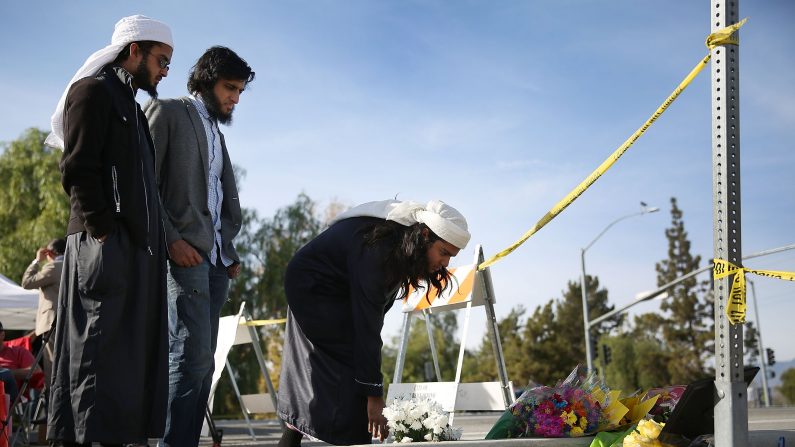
{"x":731,"y":406}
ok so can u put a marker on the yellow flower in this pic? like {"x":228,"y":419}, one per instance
{"x":636,"y":439}
{"x":645,"y":435}
{"x":568,"y":417}
{"x":649,"y":428}
{"x":577,"y":431}
{"x":583,"y":422}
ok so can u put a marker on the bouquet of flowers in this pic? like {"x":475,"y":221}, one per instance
{"x":668,"y":398}
{"x":569,"y":409}
{"x":418,"y":420}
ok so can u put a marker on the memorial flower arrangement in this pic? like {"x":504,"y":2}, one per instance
{"x":579,"y":405}
{"x":418,"y":420}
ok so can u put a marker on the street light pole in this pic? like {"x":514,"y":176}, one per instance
{"x":587,"y":326}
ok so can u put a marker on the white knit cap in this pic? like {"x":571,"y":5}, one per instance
{"x":444,"y":220}
{"x":129,"y":29}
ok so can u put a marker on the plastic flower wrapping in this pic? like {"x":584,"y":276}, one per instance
{"x":418,"y":420}
{"x":578,"y":406}
{"x":668,"y":397}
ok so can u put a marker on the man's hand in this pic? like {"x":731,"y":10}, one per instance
{"x":41,"y":254}
{"x":183,"y":254}
{"x":375,"y":415}
{"x":233,"y":270}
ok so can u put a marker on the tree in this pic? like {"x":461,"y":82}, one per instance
{"x":638,"y":362}
{"x":33,"y":206}
{"x":481,"y":365}
{"x":751,"y":343}
{"x":570,"y":321}
{"x":619,"y":368}
{"x":551,"y":343}
{"x":559,"y":345}
{"x":268,"y":250}
{"x":787,"y":387}
{"x":444,"y":326}
{"x":687,"y":331}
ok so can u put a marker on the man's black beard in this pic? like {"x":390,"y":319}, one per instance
{"x":213,"y":107}
{"x":142,"y":78}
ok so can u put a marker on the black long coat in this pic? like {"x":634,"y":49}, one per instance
{"x":332,"y":350}
{"x":110,"y":369}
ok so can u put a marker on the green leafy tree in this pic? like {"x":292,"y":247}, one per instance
{"x":787,"y":387}
{"x":444,"y":327}
{"x":620,"y":372}
{"x":570,"y":321}
{"x":554,"y":334}
{"x":751,"y":343}
{"x":651,"y":359}
{"x":688,"y":330}
{"x":638,"y":362}
{"x":481,"y":365}
{"x":33,"y":206}
{"x":550,"y":344}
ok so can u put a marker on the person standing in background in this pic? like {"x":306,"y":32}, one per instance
{"x":47,"y":278}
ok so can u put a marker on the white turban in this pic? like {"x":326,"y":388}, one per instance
{"x":444,"y":220}
{"x":129,"y":29}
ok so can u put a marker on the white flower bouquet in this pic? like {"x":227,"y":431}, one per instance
{"x":418,"y":420}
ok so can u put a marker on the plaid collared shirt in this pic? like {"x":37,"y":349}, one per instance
{"x":215,"y":192}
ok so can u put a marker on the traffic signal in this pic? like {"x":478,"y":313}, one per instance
{"x":771,"y":357}
{"x":607,"y":353}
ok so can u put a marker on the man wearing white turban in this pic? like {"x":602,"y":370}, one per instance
{"x":339,"y":286}
{"x":110,"y":368}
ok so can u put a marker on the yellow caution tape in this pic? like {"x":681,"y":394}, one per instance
{"x":721,"y":37}
{"x":263,"y":322}
{"x":725,"y":36}
{"x":736,"y":307}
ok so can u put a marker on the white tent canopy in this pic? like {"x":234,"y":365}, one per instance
{"x":17,"y":305}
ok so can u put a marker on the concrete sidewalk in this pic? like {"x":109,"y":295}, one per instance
{"x":267,"y":433}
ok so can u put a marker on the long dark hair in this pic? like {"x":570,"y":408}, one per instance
{"x":406,"y":263}
{"x":218,"y":63}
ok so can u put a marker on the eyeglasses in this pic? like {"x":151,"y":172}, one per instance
{"x":162,"y":62}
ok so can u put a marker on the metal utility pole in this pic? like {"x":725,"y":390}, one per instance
{"x":583,"y":283}
{"x":731,"y":407}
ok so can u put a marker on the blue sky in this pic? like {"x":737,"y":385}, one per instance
{"x":498,"y":108}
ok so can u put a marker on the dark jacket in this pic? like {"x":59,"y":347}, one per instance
{"x":331,"y":361}
{"x":101,"y":165}
{"x":182,"y":168}
{"x":110,"y":365}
